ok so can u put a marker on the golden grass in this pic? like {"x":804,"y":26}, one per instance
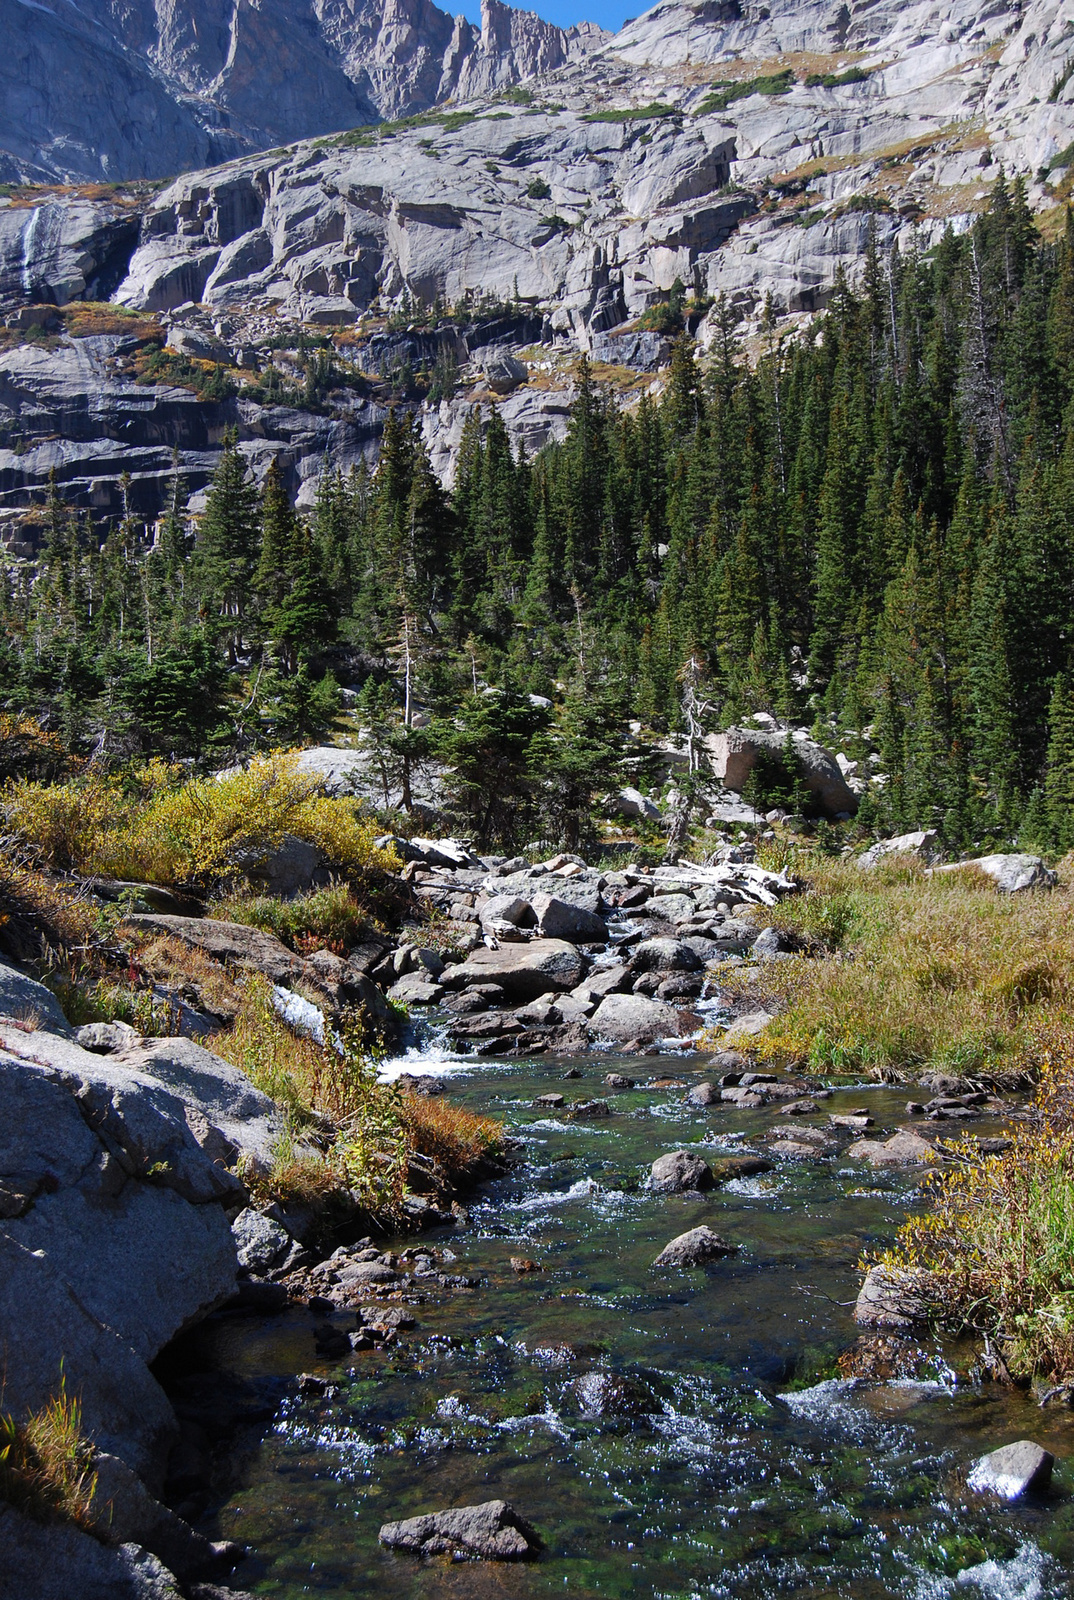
{"x":941,"y":973}
{"x":331,"y":918}
{"x":456,"y":1139}
{"x":998,"y":1238}
{"x":46,"y":1464}
{"x":159,"y":826}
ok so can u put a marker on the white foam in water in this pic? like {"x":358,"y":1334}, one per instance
{"x":298,"y":1013}
{"x":1020,"y":1578}
{"x":431,"y":1057}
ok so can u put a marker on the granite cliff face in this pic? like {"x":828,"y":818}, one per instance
{"x":148,"y":88}
{"x":746,"y":151}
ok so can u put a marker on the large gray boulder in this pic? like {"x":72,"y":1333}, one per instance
{"x":665,"y":955}
{"x":115,"y":1172}
{"x":1013,"y":1471}
{"x":734,"y":754}
{"x":924,"y":845}
{"x":625,"y":1017}
{"x":494,"y":1531}
{"x":559,"y":919}
{"x":522,"y":971}
{"x":25,"y":1001}
{"x":57,"y":1561}
{"x":230,"y":942}
{"x":1011,"y":874}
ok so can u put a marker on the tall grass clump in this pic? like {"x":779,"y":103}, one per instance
{"x":159,"y":825}
{"x":46,"y":1464}
{"x":345,"y":1130}
{"x":329,"y":918}
{"x":997,"y":1240}
{"x":897,"y":972}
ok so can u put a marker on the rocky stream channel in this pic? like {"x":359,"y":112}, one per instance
{"x":667,"y":1431}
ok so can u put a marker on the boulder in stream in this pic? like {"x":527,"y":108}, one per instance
{"x":623,"y":1017}
{"x":694,"y":1248}
{"x":522,"y":971}
{"x":494,"y":1531}
{"x":680,"y":1170}
{"x":1013,"y":1471}
{"x":901,"y":1150}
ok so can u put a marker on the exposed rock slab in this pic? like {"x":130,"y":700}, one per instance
{"x":494,"y":1531}
{"x":522,"y":971}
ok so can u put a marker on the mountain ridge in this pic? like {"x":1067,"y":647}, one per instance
{"x":153,"y":87}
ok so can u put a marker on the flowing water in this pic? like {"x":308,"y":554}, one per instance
{"x":716,"y":1454}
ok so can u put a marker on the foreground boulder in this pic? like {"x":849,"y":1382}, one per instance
{"x":493,"y":1531}
{"x":559,"y":919}
{"x":680,"y":1170}
{"x":57,"y":1561}
{"x":694,"y":1248}
{"x":1013,"y":1471}
{"x":522,"y":971}
{"x":116,"y":1179}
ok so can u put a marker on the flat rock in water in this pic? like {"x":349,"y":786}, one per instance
{"x":901,"y":1150}
{"x":694,"y":1248}
{"x":679,"y":1170}
{"x":522,"y":971}
{"x":724,"y":1168}
{"x":1012,"y":1471}
{"x":493,"y":1531}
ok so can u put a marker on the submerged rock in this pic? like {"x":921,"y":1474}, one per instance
{"x":1012,"y":1471}
{"x":890,"y":1299}
{"x":494,"y":1531}
{"x":694,"y":1248}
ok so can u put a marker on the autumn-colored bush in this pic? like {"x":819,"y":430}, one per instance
{"x":997,"y":1239}
{"x":160,"y":826}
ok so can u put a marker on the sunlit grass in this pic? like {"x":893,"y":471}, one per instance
{"x":898,"y":972}
{"x":46,"y":1466}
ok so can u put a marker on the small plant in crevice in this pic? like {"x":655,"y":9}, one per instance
{"x":46,"y":1462}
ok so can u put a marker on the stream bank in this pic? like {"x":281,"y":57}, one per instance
{"x":679,"y":1433}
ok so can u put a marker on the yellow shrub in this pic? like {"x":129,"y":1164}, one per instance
{"x":161,"y":827}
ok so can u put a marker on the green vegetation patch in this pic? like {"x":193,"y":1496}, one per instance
{"x":836,"y":80}
{"x":647,"y":113}
{"x":726,"y":91}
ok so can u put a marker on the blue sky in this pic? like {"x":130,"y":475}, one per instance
{"x":607,"y":13}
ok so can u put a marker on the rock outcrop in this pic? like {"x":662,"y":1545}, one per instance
{"x":494,"y":1531}
{"x":116,"y":1177}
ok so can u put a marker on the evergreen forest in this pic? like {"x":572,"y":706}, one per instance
{"x":868,"y":530}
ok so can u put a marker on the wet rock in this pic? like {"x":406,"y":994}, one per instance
{"x":493,"y":1531}
{"x":615,"y":1080}
{"x":589,"y":1110}
{"x":633,"y":1017}
{"x":795,"y":1149}
{"x":798,"y":1108}
{"x":1013,"y":1471}
{"x":890,"y":1299}
{"x":852,"y":1120}
{"x":901,"y":1150}
{"x":550,"y":1100}
{"x":740,"y":1095}
{"x":704,"y":1094}
{"x":724,"y":1168}
{"x":679,"y":1170}
{"x":331,"y":1342}
{"x":415,"y":989}
{"x":694,"y":1248}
